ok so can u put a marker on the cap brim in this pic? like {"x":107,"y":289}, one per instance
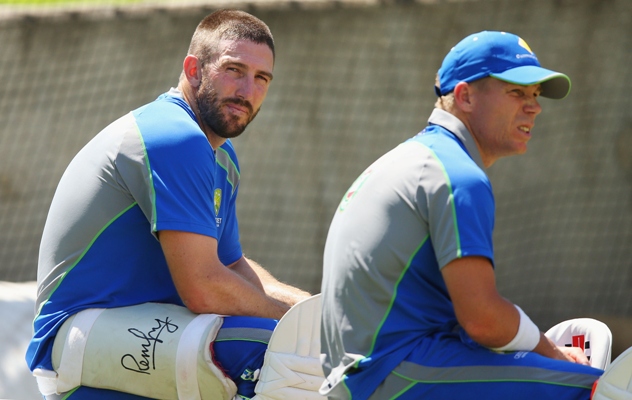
{"x":555,"y":85}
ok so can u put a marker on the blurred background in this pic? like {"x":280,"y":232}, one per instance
{"x":353,"y":78}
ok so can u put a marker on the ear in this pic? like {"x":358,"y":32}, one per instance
{"x":463,"y":96}
{"x":192,"y":70}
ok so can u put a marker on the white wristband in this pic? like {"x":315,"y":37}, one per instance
{"x":526,"y":339}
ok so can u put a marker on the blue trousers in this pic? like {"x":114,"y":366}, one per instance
{"x":453,"y":367}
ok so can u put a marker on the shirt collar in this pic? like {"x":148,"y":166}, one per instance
{"x":175,"y":92}
{"x":458,"y":129}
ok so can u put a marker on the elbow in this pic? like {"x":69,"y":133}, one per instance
{"x":198,"y":302}
{"x":201,"y":302}
{"x":193,"y":304}
{"x":486,"y":333}
{"x":477,"y":332}
{"x":195,"y":307}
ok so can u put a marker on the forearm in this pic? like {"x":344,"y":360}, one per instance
{"x":547,"y":348}
{"x":487,"y":317}
{"x":493,"y":325}
{"x":490,"y":319}
{"x":279,"y":291}
{"x":205,"y":285}
{"x":530,"y":338}
{"x":227,"y":293}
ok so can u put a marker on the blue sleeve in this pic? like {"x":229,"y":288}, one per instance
{"x":181,"y":167}
{"x":474,"y":208}
{"x":474,"y":205}
{"x":461,"y":203}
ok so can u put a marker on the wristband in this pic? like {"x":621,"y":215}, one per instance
{"x":526,"y":339}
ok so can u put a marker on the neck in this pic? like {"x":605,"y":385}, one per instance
{"x":465,"y":118}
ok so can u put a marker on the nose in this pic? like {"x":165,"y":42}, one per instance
{"x":533,"y":107}
{"x":246,"y":88}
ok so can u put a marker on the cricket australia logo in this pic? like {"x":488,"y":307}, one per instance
{"x":354,"y":189}
{"x":217,"y":202}
{"x":525,"y":46}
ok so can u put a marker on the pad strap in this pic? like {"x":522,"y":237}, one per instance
{"x":71,"y":365}
{"x":186,"y":357}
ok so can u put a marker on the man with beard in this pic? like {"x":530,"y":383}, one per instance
{"x":144,"y":216}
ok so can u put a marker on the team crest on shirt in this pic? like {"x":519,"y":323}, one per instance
{"x":217,"y":202}
{"x":353,"y":190}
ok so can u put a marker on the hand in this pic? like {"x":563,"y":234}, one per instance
{"x":286,"y":294}
{"x":548,"y":348}
{"x":574,"y":354}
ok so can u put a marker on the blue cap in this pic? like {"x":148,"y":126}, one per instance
{"x":500,"y":55}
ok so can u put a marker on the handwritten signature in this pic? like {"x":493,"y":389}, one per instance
{"x":149,"y":341}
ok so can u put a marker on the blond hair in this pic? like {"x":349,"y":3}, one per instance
{"x":445,"y":102}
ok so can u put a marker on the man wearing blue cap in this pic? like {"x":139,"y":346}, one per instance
{"x":410,"y":305}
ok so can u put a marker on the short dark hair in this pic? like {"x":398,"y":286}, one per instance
{"x":231,"y":25}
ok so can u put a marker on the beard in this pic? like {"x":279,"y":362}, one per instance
{"x":210,"y":109}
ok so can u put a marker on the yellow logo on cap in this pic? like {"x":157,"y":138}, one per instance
{"x":524,"y":44}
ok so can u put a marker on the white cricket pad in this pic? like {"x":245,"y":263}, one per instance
{"x":291,"y":368}
{"x":592,"y":336}
{"x":151,"y":350}
{"x":616,"y":382}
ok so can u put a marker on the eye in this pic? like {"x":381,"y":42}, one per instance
{"x":233,"y":70}
{"x":263,"y":79}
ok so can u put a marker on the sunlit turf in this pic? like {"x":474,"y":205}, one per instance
{"x":68,"y":2}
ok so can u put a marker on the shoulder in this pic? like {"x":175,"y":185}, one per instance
{"x":446,"y":168}
{"x":226,"y":159}
{"x":167,"y":114}
{"x":226,"y":154}
{"x":450,"y":152}
{"x":168,"y":124}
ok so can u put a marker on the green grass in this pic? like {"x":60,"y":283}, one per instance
{"x":61,"y":2}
